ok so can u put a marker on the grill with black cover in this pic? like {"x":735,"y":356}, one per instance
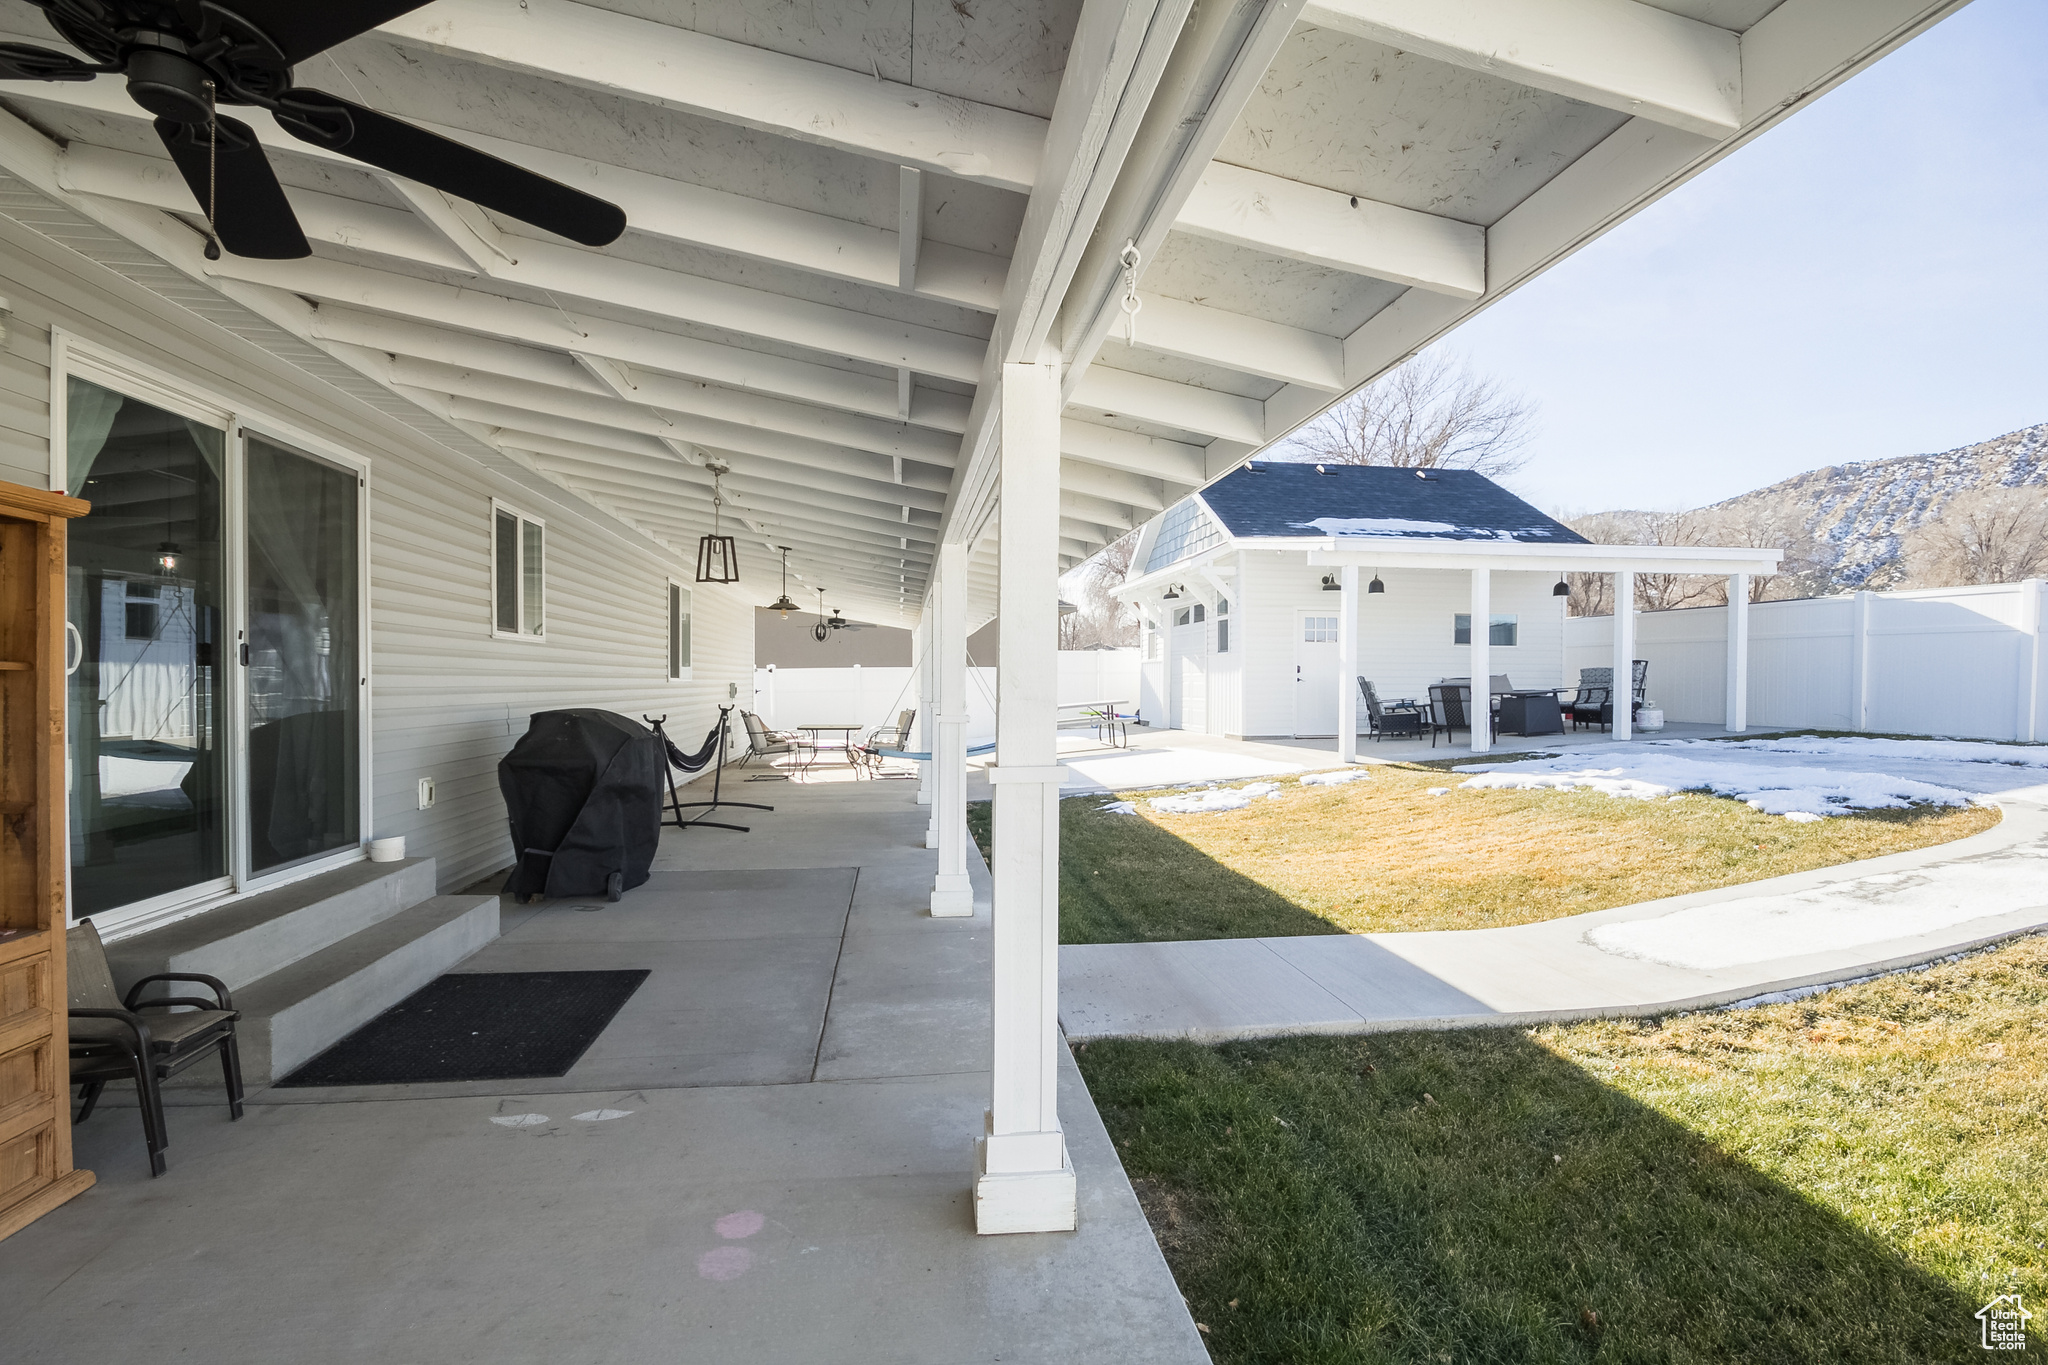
{"x":583,"y":790}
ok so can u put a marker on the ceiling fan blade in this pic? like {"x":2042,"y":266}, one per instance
{"x":392,"y":145}
{"x":251,"y":215}
{"x":20,"y":62}
{"x":301,"y":28}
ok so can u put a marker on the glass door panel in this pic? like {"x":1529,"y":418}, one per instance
{"x":304,"y":693}
{"x":146,"y":770}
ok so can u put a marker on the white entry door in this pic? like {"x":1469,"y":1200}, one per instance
{"x":1315,"y":675}
{"x":1188,"y":668}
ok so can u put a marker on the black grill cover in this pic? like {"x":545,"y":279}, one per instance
{"x":584,"y":786}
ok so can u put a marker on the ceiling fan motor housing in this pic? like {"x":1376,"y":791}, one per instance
{"x":167,"y":82}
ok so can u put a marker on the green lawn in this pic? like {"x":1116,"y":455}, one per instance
{"x":1847,"y":1178}
{"x":1385,"y":855}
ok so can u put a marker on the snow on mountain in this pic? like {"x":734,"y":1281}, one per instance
{"x":1862,"y":512}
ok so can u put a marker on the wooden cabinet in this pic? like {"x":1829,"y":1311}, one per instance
{"x":35,"y":1092}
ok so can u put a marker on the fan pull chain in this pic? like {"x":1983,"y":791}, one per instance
{"x":212,"y":175}
{"x":1130,"y":302}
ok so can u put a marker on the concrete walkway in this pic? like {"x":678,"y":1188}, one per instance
{"x":1694,"y":951}
{"x":767,"y":1157}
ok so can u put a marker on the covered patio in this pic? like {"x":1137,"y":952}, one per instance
{"x":758,"y":1161}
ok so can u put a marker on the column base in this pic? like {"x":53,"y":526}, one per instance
{"x":1024,"y":1201}
{"x":952,"y":896}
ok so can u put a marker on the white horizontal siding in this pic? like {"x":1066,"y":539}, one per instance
{"x":1405,"y":639}
{"x":447,"y":699}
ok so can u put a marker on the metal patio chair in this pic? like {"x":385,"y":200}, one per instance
{"x":881,"y":741}
{"x":1390,"y":718}
{"x":765,"y":743}
{"x":111,"y":1039}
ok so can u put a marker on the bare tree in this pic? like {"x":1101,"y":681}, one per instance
{"x":1764,"y":526}
{"x":1102,"y":618}
{"x":1593,"y":593}
{"x":1986,"y":535}
{"x":1431,"y":413}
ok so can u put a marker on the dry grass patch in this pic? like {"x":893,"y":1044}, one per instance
{"x":1385,"y":855}
{"x":1844,"y":1178}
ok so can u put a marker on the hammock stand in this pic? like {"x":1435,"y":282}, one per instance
{"x":714,"y":744}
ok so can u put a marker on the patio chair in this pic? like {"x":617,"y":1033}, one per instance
{"x":1590,"y":706}
{"x":1448,"y":706}
{"x":879,"y":741}
{"x":765,"y":743}
{"x":1390,"y":718}
{"x":112,"y":1040}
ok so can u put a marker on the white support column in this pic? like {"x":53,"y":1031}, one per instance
{"x":921,"y":660}
{"x":1738,"y":653}
{"x":1859,"y":661}
{"x":1624,"y":652}
{"x":1024,"y":1181}
{"x":1347,"y":665}
{"x":1481,"y":717}
{"x":952,"y":893}
{"x":2031,"y":625}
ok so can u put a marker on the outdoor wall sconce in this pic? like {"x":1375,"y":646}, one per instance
{"x":1375,"y":585}
{"x":718,"y":559}
{"x":1172,"y":594}
{"x":1563,"y":589}
{"x":782,"y":603}
{"x":1330,"y":583}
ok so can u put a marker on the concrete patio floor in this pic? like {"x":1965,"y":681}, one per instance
{"x":787,"y":1176}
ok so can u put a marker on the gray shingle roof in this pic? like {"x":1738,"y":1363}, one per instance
{"x":1274,"y":498}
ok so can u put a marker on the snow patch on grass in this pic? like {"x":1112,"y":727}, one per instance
{"x":1800,"y":794}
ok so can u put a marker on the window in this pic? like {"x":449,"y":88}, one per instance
{"x":139,"y":621}
{"x":1223,"y":637}
{"x":518,"y":559}
{"x":1501,"y":630}
{"x":678,"y":631}
{"x":1318,"y":630}
{"x":1181,"y":617}
{"x":1201,"y":613}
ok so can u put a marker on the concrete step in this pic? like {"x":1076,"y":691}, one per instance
{"x":296,"y":1013}
{"x":253,"y":938}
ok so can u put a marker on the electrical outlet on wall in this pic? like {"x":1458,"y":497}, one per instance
{"x":426,"y":792}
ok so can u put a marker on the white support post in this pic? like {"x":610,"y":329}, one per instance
{"x":952,"y":893}
{"x":921,"y":660}
{"x":1738,"y":653}
{"x":1481,"y":714}
{"x":1624,"y":653}
{"x":1347,"y":665}
{"x":2031,"y":624}
{"x":1024,"y":1181}
{"x":1859,"y":661}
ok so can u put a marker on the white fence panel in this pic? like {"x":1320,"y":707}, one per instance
{"x":1952,"y":661}
{"x":789,"y":697}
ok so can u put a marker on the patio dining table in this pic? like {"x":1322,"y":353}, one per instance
{"x":1101,"y":716}
{"x":814,"y":745}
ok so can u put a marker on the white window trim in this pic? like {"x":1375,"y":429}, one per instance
{"x":546,"y":543}
{"x":687,"y":671}
{"x":1494,"y":619}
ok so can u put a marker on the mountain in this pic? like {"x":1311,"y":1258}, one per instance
{"x":1859,"y":514}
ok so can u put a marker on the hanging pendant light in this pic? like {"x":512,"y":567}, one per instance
{"x":1375,"y":585}
{"x":167,"y":559}
{"x":1563,"y":589}
{"x":822,"y":631}
{"x":718,"y":559}
{"x":782,"y":603}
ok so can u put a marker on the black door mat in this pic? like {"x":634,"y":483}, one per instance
{"x":477,"y":1026}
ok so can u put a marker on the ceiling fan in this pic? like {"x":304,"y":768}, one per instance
{"x":185,"y":58}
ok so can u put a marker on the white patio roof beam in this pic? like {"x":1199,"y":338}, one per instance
{"x":676,"y":68}
{"x":1618,"y":54}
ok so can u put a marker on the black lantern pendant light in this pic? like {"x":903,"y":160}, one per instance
{"x":1375,"y":585}
{"x":782,"y":603}
{"x":1562,"y":589}
{"x":1330,"y":583}
{"x":823,"y":630}
{"x":718,"y":559}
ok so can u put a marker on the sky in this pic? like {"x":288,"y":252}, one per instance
{"x":1869,"y":278}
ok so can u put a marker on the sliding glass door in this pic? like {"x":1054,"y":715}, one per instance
{"x":304,"y":699}
{"x":148,"y":778}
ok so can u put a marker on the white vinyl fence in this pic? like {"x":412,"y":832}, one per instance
{"x":789,"y":697}
{"x":1966,"y":662}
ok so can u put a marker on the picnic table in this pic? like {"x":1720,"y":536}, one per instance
{"x":1110,"y":725}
